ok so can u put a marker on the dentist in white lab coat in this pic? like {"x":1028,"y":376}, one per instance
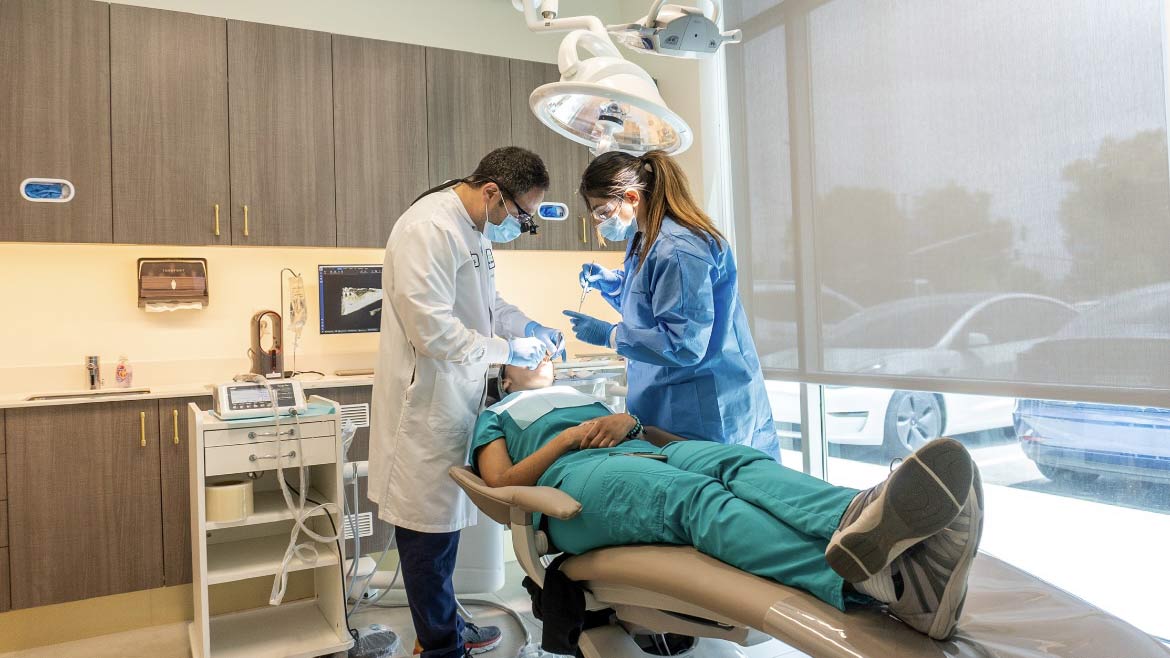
{"x":443,"y":324}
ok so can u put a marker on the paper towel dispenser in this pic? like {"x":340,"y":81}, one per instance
{"x":172,"y":284}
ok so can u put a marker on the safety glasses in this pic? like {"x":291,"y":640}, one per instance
{"x":608,"y":210}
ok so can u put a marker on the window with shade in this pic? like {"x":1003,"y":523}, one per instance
{"x":955,"y":217}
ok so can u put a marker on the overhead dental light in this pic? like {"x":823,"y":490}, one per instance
{"x":605,"y":101}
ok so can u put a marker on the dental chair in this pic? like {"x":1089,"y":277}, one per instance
{"x":655,"y":589}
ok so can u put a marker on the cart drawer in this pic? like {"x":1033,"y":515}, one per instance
{"x":263,"y":457}
{"x":255,"y":435}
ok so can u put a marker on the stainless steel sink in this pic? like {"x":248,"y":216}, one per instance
{"x":86,"y":395}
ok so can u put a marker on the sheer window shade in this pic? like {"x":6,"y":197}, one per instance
{"x":969,"y":196}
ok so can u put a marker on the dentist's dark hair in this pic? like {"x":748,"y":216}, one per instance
{"x":664,"y":189}
{"x":515,"y":169}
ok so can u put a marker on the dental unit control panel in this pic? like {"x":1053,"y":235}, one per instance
{"x":249,"y":400}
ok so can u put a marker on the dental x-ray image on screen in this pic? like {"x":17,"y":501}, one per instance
{"x":351,"y":298}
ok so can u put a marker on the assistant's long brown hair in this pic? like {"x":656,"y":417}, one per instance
{"x":663,"y":185}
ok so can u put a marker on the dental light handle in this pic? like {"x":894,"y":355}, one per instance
{"x":569,"y":62}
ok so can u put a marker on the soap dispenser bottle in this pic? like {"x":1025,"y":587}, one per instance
{"x":123,"y":373}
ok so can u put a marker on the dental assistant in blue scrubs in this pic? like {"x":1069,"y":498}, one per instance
{"x":692,"y":366}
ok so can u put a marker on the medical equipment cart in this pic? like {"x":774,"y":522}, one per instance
{"x":229,"y":552}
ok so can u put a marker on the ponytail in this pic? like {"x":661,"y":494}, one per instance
{"x":664,"y":188}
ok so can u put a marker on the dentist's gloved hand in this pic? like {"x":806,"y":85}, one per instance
{"x":527,"y":352}
{"x":601,"y":278}
{"x":589,"y":329}
{"x":552,"y":339}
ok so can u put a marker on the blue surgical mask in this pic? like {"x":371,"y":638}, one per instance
{"x":614,"y":229}
{"x":507,"y":230}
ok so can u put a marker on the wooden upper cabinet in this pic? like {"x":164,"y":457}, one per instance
{"x":83,"y":509}
{"x":170,"y":127}
{"x":565,"y":159}
{"x":281,"y":132}
{"x":468,"y":109}
{"x":380,"y":107}
{"x":55,"y":118}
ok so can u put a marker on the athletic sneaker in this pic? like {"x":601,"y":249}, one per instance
{"x":480,"y":639}
{"x":934,"y":573}
{"x":918,"y":500}
{"x":476,"y":639}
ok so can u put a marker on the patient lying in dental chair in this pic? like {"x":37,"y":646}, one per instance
{"x":908,"y":542}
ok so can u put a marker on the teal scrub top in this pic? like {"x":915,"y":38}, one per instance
{"x":527,"y":420}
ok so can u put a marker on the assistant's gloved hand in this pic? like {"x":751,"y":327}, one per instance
{"x":527,"y":352}
{"x":589,"y":329}
{"x":552,"y":339}
{"x":601,"y":278}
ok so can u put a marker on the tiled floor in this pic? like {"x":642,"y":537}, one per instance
{"x":171,"y":641}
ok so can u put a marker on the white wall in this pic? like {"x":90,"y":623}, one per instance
{"x":489,"y":27}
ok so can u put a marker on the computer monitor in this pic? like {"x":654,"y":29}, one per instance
{"x":351,"y":298}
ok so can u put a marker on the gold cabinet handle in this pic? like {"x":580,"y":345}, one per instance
{"x":175,"y":424}
{"x":217,"y":220}
{"x":245,"y":221}
{"x":584,"y":235}
{"x":142,"y":428}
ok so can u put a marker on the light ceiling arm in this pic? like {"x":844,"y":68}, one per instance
{"x":546,"y":19}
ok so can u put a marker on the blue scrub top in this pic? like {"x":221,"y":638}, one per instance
{"x":693,"y":368}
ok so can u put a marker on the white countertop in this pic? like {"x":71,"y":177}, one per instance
{"x":163,"y":380}
{"x":162,"y":392}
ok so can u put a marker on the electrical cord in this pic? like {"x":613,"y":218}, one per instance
{"x":297,"y":373}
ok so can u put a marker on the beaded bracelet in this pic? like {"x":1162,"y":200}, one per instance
{"x":637,"y":431}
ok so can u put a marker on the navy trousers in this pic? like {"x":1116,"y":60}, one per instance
{"x":428,"y":561}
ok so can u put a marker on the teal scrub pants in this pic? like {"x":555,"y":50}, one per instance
{"x":731,"y":502}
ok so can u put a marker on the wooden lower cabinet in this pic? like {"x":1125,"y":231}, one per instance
{"x":174,"y":462}
{"x":84,"y":513}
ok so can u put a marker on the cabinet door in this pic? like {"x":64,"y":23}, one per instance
{"x":170,"y":141}
{"x":281,"y":134}
{"x":174,"y":465}
{"x":565,"y":159}
{"x":468,"y":110}
{"x":380,"y":105}
{"x":55,"y":118}
{"x":84,"y":509}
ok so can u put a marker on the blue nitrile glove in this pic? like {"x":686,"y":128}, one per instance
{"x":601,"y":278}
{"x":527,"y":352}
{"x":552,"y":339}
{"x":589,"y":329}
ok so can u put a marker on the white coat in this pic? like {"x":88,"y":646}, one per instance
{"x":441,"y":325}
